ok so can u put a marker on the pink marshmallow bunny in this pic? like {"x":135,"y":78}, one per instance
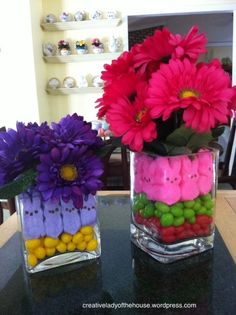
{"x":205,"y":170}
{"x":165,"y":178}
{"x":146,"y":162}
{"x":190,"y":176}
{"x":138,"y":171}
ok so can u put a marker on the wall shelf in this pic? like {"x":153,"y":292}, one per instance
{"x":78,"y":58}
{"x":77,"y":25}
{"x":69,"y":91}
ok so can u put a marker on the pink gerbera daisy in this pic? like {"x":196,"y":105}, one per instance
{"x":132,"y":122}
{"x":120,"y":66}
{"x":203,"y":92}
{"x":125,"y":86}
{"x":149,"y":55}
{"x":191,"y":46}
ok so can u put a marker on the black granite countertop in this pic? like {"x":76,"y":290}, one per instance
{"x":123,"y":277}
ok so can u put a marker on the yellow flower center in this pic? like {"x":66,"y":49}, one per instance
{"x":68,"y":172}
{"x":140,"y":115}
{"x":188,"y":93}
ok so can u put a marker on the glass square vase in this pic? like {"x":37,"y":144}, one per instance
{"x":173,"y":203}
{"x":57,"y":233}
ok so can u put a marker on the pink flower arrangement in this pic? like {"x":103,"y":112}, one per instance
{"x":157,"y":96}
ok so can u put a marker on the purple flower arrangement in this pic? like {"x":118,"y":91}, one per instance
{"x":59,"y":162}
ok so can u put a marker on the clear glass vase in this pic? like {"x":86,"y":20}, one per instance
{"x":57,"y":233}
{"x":173,"y":203}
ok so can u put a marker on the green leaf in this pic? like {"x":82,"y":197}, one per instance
{"x":176,"y":150}
{"x":199,"y":140}
{"x":180,"y":136}
{"x":186,"y":137}
{"x":218,"y":131}
{"x":156,"y":147}
{"x":18,"y":185}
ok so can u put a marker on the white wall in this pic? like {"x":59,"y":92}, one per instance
{"x":18,"y":97}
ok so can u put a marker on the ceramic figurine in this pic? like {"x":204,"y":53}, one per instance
{"x":97,"y":46}
{"x":64,"y":48}
{"x":69,"y":82}
{"x":95,"y":15}
{"x":97,"y":81}
{"x":53,"y":83}
{"x":80,"y":16}
{"x":81,"y":47}
{"x":114,"y":44}
{"x":96,"y":124}
{"x":50,"y":18}
{"x":112,"y":14}
{"x":66,"y":17}
{"x":49,"y":49}
{"x":82,"y":81}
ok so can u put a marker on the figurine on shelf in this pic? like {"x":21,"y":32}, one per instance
{"x":53,"y":84}
{"x":97,"y":81}
{"x":80,"y":16}
{"x":49,"y":49}
{"x":50,"y":18}
{"x":114,"y":44}
{"x":66,"y":17}
{"x":82,"y":82}
{"x":98,"y":47}
{"x":64,"y":48}
{"x":81,"y":47}
{"x":95,"y":15}
{"x":112,"y":14}
{"x":69,"y":83}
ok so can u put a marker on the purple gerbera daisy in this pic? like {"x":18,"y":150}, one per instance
{"x":74,"y":131}
{"x":68,"y":174}
{"x":20,"y":149}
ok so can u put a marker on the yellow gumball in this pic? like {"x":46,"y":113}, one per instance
{"x":81,"y":246}
{"x":77,"y":238}
{"x":50,"y":251}
{"x":85,"y":230}
{"x":88,"y":237}
{"x":66,"y":238}
{"x":92,"y":245}
{"x":50,"y":242}
{"x":32,"y":260}
{"x":32,"y":244}
{"x":71,"y":247}
{"x":40,"y":252}
{"x":61,"y":247}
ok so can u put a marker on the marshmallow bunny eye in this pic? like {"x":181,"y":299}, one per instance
{"x":167,"y":178}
